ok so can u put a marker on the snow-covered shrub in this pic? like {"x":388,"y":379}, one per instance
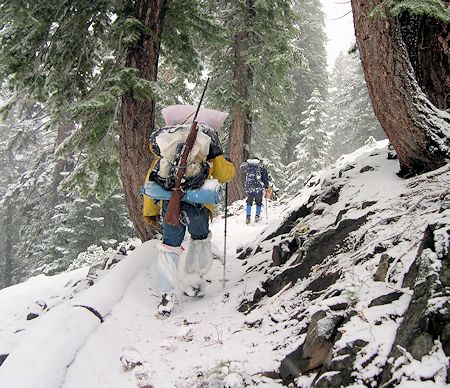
{"x":226,"y":374}
{"x":93,"y":254}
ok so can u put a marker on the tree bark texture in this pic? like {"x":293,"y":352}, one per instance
{"x":427,"y":41}
{"x":137,"y":115}
{"x":241,"y":126}
{"x":418,"y":130}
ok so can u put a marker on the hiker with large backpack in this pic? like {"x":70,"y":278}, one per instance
{"x":256,"y":181}
{"x":204,"y":170}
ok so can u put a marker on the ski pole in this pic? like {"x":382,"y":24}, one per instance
{"x":225,"y":235}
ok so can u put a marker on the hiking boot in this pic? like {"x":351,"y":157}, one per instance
{"x":247,"y":220}
{"x":257,"y":219}
{"x":166,"y":305}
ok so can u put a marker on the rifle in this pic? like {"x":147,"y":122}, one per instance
{"x":173,"y":208}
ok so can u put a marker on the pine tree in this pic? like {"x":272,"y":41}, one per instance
{"x":308,"y":74}
{"x":250,"y":68}
{"x":311,"y":153}
{"x":19,"y":147}
{"x":350,"y":120}
{"x":32,"y":225}
{"x":93,"y":63}
{"x":77,"y":224}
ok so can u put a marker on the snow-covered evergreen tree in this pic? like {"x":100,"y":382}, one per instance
{"x":79,"y":223}
{"x":309,"y":74}
{"x":311,"y":153}
{"x":43,"y":229}
{"x":20,"y":152}
{"x":268,"y":29}
{"x":250,"y":67}
{"x":351,"y":119}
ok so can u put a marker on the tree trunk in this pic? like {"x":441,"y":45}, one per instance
{"x":417,"y":129}
{"x":241,"y":126}
{"x":427,"y":42}
{"x":62,"y":164}
{"x":288,"y":155}
{"x":137,"y":115}
{"x":8,"y":247}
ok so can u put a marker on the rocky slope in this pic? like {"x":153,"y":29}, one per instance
{"x":360,"y":267}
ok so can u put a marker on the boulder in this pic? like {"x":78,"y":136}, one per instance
{"x":383,"y":268}
{"x":337,"y":371}
{"x":422,"y":324}
{"x":314,"y":350}
{"x":313,"y":252}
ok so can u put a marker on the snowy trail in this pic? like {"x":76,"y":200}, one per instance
{"x":69,"y":346}
{"x":206,"y":342}
{"x":199,"y":335}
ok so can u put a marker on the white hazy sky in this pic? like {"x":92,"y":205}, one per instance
{"x":339,"y":28}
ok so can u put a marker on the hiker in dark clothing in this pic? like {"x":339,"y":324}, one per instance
{"x":256,"y":180}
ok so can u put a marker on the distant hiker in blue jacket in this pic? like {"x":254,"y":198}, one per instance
{"x":256,"y":180}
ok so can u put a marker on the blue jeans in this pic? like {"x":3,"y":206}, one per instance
{"x":258,"y":200}
{"x":196,"y":218}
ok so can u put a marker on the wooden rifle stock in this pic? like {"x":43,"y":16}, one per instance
{"x":174,"y":206}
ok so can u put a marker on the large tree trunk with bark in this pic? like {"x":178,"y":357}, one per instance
{"x":236,"y":150}
{"x":241,"y":126}
{"x":427,"y":41}
{"x":418,"y":130}
{"x":137,"y":116}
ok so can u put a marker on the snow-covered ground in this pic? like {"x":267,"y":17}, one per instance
{"x":68,"y":346}
{"x":108,"y":334}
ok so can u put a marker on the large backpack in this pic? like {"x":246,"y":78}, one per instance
{"x":253,"y":179}
{"x":167,"y":146}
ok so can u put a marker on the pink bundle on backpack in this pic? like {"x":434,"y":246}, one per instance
{"x":183,"y":114}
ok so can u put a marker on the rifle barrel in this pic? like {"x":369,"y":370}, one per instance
{"x":174,"y":206}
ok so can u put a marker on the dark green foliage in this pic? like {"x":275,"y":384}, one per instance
{"x":15,"y":156}
{"x":269,"y":26}
{"x":269,"y":33}
{"x":70,"y":57}
{"x":50,"y":48}
{"x":65,"y":55}
{"x":432,"y":8}
{"x":307,"y":73}
{"x":77,"y":224}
